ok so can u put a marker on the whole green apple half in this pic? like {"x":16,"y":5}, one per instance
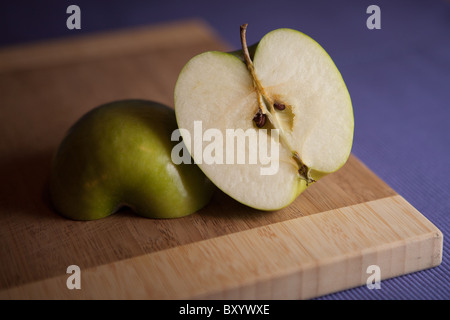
{"x":286,"y":90}
{"x":119,"y":154}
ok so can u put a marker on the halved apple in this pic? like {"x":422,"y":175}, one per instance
{"x":288,"y":95}
{"x":119,"y":155}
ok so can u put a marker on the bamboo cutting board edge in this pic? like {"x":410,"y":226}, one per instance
{"x":244,"y":272}
{"x":97,"y":45}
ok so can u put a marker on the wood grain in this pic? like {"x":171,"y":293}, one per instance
{"x":295,"y":259}
{"x":321,"y":243}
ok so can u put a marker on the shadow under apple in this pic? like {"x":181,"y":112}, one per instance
{"x":24,"y":185}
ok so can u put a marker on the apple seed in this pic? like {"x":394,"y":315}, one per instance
{"x":259,"y":119}
{"x":279,"y":106}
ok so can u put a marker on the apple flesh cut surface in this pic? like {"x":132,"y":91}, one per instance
{"x":291,"y":84}
{"x":119,"y":154}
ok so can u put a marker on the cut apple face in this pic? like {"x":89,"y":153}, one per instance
{"x":287,"y":104}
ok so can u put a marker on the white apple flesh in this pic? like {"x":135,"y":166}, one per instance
{"x":294,"y":85}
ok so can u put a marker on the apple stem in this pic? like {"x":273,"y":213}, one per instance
{"x":249,"y":63}
{"x":266,"y":105}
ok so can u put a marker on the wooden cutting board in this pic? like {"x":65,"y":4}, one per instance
{"x":324,"y":242}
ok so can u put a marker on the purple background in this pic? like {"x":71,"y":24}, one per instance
{"x":398,"y":78}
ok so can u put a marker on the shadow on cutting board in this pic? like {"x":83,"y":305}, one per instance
{"x":24,"y":188}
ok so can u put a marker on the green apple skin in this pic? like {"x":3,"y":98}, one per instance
{"x":119,"y":154}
